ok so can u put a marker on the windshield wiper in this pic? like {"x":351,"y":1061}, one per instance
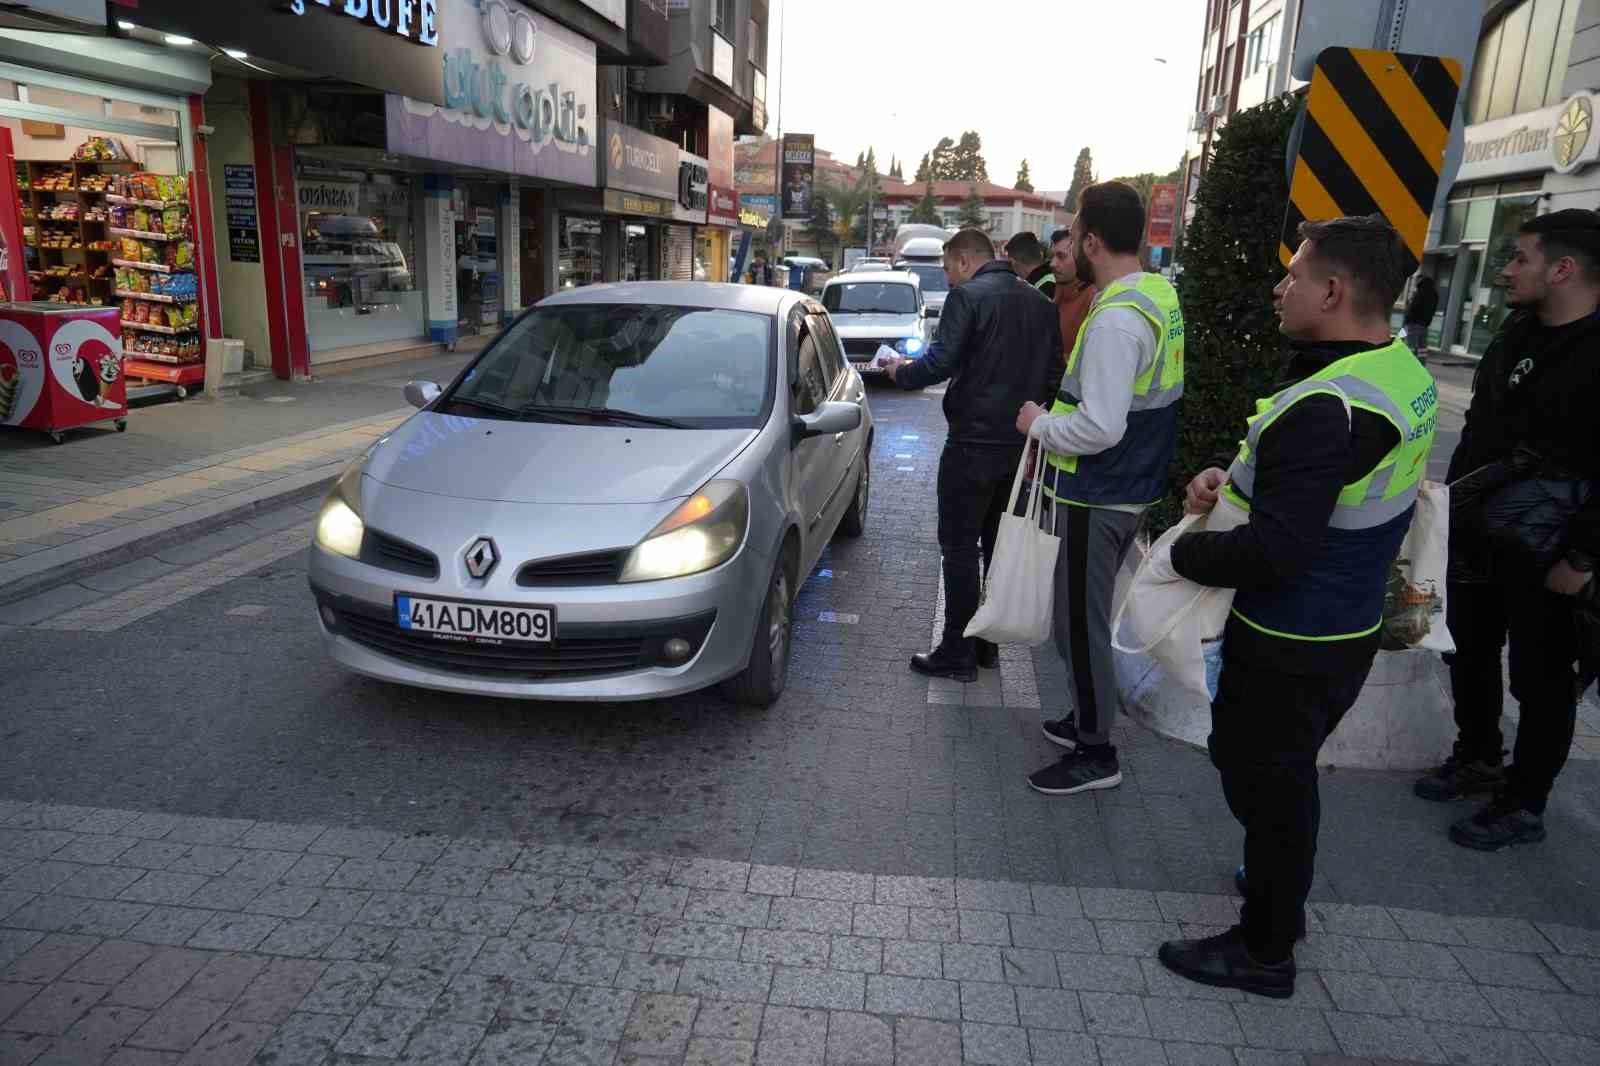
{"x":606,"y":414}
{"x":485,"y":405}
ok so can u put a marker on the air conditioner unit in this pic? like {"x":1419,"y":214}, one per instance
{"x":1197,"y":121}
{"x":662,"y":109}
{"x":1219,"y":104}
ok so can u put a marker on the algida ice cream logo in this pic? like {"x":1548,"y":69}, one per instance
{"x":17,"y":366}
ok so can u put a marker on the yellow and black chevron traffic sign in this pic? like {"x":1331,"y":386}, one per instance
{"x":1373,"y":141}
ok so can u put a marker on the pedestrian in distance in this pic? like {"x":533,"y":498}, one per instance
{"x":1328,"y":474}
{"x":996,"y":340}
{"x":1537,"y":388}
{"x":1111,"y":435}
{"x":1419,"y":315}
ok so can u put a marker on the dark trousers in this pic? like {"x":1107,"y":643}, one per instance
{"x":1542,"y":631}
{"x":1266,"y":730}
{"x":974,"y":488}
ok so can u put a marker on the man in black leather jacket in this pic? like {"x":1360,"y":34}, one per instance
{"x":1538,"y":387}
{"x":998,"y":338}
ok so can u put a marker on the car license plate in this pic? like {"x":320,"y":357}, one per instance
{"x":475,"y":623}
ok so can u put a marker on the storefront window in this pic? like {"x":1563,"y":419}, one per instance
{"x":477,"y":254}
{"x":360,"y":258}
{"x":1510,"y":214}
{"x":636,"y":264}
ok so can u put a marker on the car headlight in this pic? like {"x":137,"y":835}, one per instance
{"x":704,"y":531}
{"x":910,"y":346}
{"x":339,"y":525}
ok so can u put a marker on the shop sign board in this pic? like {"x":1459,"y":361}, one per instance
{"x":329,"y":197}
{"x":621,"y":202}
{"x":722,"y":205}
{"x":693,"y":189}
{"x":756,"y":210}
{"x":518,"y":95}
{"x":799,"y":173}
{"x":1559,"y":138}
{"x":635,"y":161}
{"x":1161,"y":216}
{"x":391,"y":45}
{"x":244,"y":231}
{"x":721,"y":58}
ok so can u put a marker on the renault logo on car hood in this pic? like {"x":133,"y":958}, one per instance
{"x":481,"y":557}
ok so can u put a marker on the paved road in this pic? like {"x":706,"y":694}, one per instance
{"x":201,"y":691}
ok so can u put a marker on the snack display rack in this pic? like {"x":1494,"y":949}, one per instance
{"x":64,"y":217}
{"x":155,"y":282}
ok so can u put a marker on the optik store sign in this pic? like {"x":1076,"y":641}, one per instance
{"x":519,"y":92}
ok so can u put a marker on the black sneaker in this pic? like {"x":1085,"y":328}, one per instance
{"x":1063,"y":731}
{"x":1504,"y":821}
{"x":988,"y":654}
{"x":1223,"y":961}
{"x":1081,"y":770}
{"x":1458,"y":777}
{"x":937,"y":663}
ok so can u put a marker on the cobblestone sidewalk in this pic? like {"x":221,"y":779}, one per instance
{"x":143,"y":938}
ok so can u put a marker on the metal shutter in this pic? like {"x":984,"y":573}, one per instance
{"x":677,"y":249}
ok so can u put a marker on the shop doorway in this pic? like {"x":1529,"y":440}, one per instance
{"x":477,"y":258}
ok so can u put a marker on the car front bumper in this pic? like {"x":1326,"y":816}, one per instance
{"x":608,"y":637}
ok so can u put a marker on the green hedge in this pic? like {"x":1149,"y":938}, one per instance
{"x":1233,"y":352}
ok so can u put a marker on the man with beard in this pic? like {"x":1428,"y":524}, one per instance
{"x":1328,"y":474}
{"x":1111,"y":435}
{"x":1537,"y":387}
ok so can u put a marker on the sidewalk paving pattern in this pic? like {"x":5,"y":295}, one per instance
{"x":136,"y":937}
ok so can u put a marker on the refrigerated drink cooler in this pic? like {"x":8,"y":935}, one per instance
{"x":61,"y":367}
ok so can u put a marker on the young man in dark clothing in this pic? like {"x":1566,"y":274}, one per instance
{"x":1419,"y":313}
{"x":1328,"y":475}
{"x":996,"y":343}
{"x":1538,"y":386}
{"x":1027,"y":259}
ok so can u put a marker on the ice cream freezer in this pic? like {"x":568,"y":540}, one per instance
{"x":61,"y":367}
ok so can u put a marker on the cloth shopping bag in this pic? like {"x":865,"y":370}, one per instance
{"x":1414,"y":602}
{"x":1019,"y":589}
{"x":1179,"y":623}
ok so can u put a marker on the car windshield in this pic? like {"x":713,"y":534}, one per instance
{"x":932,"y":275}
{"x":623,"y":364}
{"x":867,"y":297}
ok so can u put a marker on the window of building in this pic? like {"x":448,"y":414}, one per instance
{"x":1261,"y":46}
{"x":758,"y":44}
{"x":720,"y":17}
{"x":1521,"y":63}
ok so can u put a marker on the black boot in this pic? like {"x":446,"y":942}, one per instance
{"x":988,"y":654}
{"x":1504,"y":821}
{"x":1462,"y":774}
{"x":940,"y":663}
{"x":1224,"y":962}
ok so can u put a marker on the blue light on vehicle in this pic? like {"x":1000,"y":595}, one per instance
{"x":912,"y":345}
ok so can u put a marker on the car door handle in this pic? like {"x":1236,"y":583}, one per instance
{"x":838,"y":438}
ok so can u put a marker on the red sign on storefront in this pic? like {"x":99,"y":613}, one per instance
{"x":1162,"y":215}
{"x":722,"y":206}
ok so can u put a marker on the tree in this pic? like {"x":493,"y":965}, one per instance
{"x":927,"y":209}
{"x":1023,"y":182}
{"x":820,"y":224}
{"x":895,"y":170}
{"x":861,"y":160}
{"x":1142,"y":184}
{"x":1082,"y":178}
{"x":1232,"y":350}
{"x":924,"y":169}
{"x":848,"y":203}
{"x":973,"y":213}
{"x":941,"y":164}
{"x":967,"y":160}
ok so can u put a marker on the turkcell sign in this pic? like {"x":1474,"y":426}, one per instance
{"x":519,"y":94}
{"x":417,"y":20}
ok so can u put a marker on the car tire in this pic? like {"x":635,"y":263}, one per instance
{"x":854,"y":522}
{"x":762,"y":681}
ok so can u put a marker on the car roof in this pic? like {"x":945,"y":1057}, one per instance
{"x":761,"y":299}
{"x":893,"y":277}
{"x":922,"y":246}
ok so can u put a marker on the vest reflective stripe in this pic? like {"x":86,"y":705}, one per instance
{"x":1048,"y":279}
{"x":1134,"y":471}
{"x":1340,"y":596}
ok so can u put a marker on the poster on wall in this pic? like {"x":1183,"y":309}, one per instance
{"x":244,"y":233}
{"x":1163,"y":213}
{"x":799,"y":173}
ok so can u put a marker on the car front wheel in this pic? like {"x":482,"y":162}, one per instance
{"x":762,"y":681}
{"x":854,"y":522}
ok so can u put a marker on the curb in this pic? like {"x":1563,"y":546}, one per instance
{"x":69,"y":562}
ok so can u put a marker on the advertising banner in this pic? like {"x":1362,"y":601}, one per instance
{"x":1160,"y":216}
{"x":638,"y":162}
{"x":244,"y":234}
{"x":799,"y":174}
{"x":518,"y":92}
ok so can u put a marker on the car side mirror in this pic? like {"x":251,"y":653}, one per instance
{"x":421,"y":393}
{"x":929,"y":311}
{"x":834,"y":416}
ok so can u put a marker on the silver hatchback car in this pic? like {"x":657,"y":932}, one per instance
{"x":616,"y":500}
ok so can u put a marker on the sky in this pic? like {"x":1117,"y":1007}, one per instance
{"x":1038,"y":80}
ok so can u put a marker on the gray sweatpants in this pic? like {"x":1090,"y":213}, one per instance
{"x":1094,"y":541}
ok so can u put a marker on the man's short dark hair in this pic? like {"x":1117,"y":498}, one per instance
{"x":1057,"y":236}
{"x":1367,"y":252}
{"x":1025,"y":247}
{"x":973,"y":242}
{"x":1111,"y":211}
{"x":1573,"y":232}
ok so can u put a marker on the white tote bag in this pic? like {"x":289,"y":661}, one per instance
{"x":1179,"y":623}
{"x":1019,"y":589}
{"x":1413,"y":605}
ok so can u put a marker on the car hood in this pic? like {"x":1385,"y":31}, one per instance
{"x":934,"y":299}
{"x":543,"y":462}
{"x":875,"y":325}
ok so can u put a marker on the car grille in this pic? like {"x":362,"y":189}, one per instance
{"x":391,"y":553}
{"x":565,"y":658}
{"x":863,"y":348}
{"x":596,"y":568}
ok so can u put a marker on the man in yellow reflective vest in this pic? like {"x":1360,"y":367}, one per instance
{"x":1328,"y":473}
{"x":1110,"y":438}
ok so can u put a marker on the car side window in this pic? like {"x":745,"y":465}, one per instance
{"x":811,"y":389}
{"x":832,"y":354}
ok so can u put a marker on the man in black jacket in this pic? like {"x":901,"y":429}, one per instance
{"x":1329,"y":490}
{"x":1538,"y":386}
{"x":997,"y":339}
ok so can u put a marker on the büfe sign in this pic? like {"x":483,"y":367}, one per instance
{"x":60,"y":367}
